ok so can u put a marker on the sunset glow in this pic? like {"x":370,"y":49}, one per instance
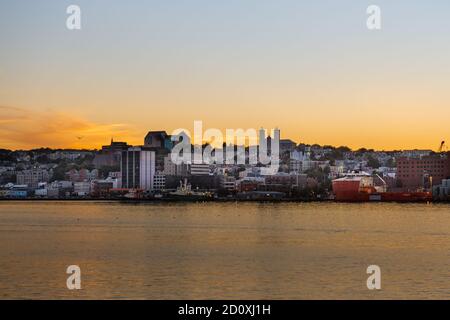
{"x":313,"y":70}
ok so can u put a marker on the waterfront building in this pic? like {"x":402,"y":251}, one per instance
{"x":442,"y":191}
{"x":289,"y":180}
{"x":32,"y":177}
{"x":138,"y":168}
{"x":204,"y":182}
{"x":41,"y":190}
{"x":249,"y":183}
{"x":159,"y":182}
{"x":59,"y":189}
{"x":82,"y":189}
{"x":101,"y":188}
{"x":421,"y":172}
{"x":227,"y":182}
{"x":18,"y":193}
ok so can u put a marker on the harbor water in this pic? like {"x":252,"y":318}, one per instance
{"x":224,"y":250}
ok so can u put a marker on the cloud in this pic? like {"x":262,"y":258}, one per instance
{"x":25,"y":129}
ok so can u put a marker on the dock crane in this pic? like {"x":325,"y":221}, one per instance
{"x":442,"y":147}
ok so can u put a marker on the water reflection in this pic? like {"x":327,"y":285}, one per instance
{"x":223,"y":250}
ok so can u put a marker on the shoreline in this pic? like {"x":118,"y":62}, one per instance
{"x":157,"y":201}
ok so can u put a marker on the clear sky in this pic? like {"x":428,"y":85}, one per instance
{"x":311,"y":68}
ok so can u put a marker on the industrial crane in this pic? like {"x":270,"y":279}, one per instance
{"x":442,"y":147}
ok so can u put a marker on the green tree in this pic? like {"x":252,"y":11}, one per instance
{"x":373,"y":162}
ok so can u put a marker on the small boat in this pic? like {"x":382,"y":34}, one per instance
{"x":185,"y":191}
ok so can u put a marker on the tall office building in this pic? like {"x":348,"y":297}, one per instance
{"x":137,"y":168}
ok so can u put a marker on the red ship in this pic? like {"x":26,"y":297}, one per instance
{"x":360,"y":187}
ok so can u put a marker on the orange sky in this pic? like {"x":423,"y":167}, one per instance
{"x":314,"y":71}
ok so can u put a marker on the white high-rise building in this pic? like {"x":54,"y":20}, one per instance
{"x":137,"y":168}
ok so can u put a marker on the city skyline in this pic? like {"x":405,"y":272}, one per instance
{"x":224,"y":159}
{"x":440,"y":147}
{"x":312,"y":69}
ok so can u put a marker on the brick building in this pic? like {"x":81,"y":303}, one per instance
{"x":413,"y":173}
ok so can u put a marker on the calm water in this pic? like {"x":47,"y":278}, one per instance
{"x":224,"y":250}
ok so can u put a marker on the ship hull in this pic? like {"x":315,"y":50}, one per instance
{"x":351,"y":191}
{"x":383,"y":197}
